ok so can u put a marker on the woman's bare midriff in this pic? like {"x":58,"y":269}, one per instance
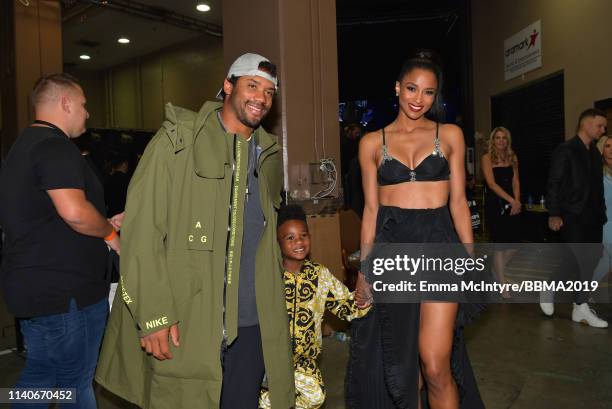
{"x":415,"y":195}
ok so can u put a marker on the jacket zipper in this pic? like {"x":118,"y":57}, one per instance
{"x":227,"y":245}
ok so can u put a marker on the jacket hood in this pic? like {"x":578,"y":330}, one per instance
{"x":206,"y":125}
{"x":186,"y":127}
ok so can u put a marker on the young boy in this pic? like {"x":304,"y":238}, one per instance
{"x":310,"y":289}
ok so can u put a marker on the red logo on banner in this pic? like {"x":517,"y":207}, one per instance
{"x":532,"y":40}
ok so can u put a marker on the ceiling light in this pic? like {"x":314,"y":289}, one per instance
{"x":123,"y":40}
{"x":203,"y":7}
{"x":84,"y":57}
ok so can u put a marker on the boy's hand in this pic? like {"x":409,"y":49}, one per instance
{"x":363,"y":292}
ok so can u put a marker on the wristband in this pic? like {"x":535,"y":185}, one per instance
{"x":111,"y":236}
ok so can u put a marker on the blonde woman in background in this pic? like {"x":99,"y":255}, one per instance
{"x":503,"y":199}
{"x":603,"y":268}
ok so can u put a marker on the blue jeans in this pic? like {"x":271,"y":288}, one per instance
{"x":62,"y":352}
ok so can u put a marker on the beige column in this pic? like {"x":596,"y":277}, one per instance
{"x":31,"y":32}
{"x":299,"y":36}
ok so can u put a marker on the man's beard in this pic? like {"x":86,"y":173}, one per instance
{"x":244,"y":119}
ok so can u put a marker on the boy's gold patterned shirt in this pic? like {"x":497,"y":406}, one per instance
{"x":308,"y":294}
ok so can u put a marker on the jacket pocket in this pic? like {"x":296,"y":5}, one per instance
{"x":184,"y":271}
{"x":197,"y":223}
{"x":196,"y":357}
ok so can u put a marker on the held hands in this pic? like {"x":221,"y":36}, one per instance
{"x":157,"y":343}
{"x":363,"y":292}
{"x":555,"y":223}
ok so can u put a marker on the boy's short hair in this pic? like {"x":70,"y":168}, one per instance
{"x":290,"y":212}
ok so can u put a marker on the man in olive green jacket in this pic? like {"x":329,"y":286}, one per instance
{"x":201,"y":308}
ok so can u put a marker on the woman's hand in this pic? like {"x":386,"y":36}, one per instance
{"x":555,"y":223}
{"x":363,"y":292}
{"x":516,"y":207}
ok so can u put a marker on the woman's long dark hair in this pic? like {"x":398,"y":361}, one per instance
{"x":427,"y":60}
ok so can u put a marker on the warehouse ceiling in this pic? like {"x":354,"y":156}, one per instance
{"x":93,"y":28}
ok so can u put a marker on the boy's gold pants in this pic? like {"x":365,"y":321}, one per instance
{"x":309,"y":389}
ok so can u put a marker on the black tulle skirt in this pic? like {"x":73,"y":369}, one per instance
{"x":384,"y":364}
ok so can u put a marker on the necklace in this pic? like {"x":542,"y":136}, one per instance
{"x":50,"y":125}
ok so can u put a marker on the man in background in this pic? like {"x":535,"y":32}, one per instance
{"x":577,"y":208}
{"x":116,"y":185}
{"x":55,"y":250}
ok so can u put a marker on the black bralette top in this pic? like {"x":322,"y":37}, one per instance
{"x":431,"y":169}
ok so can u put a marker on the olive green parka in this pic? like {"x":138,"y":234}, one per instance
{"x":180,"y":261}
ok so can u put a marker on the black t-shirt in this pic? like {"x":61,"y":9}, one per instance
{"x":45,"y":263}
{"x":252,"y":231}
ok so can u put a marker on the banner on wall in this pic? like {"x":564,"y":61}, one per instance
{"x":523,"y":51}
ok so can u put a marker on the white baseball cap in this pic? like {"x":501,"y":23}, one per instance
{"x":248,"y":64}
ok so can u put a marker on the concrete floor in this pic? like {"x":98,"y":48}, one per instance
{"x":522,"y":360}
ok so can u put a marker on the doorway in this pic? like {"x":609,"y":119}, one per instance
{"x":535,"y":116}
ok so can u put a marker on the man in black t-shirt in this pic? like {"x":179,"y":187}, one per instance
{"x":55,"y":249}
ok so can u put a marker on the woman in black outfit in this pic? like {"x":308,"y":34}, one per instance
{"x":503,"y":199}
{"x":414,"y":184}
